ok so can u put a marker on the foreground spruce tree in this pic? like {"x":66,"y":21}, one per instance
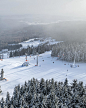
{"x":46,"y":94}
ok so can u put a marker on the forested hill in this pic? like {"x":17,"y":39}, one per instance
{"x":64,"y":31}
{"x":69,"y":31}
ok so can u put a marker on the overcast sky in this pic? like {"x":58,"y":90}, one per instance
{"x":52,"y":7}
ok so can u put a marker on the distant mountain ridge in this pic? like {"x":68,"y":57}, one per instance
{"x":34,"y":26}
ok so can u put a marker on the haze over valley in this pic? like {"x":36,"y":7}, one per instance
{"x":17,"y":27}
{"x":42,"y":53}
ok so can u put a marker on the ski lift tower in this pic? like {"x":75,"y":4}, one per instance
{"x":1,"y":56}
{"x":2,"y":74}
{"x":8,"y":54}
{"x":74,"y":65}
{"x":26,"y":56}
{"x":25,"y":63}
{"x":37,"y":60}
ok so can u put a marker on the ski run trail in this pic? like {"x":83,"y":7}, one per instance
{"x":48,"y":67}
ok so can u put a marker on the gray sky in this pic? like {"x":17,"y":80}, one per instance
{"x":52,"y":7}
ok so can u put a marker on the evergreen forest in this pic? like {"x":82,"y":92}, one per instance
{"x":46,"y":94}
{"x":68,"y":51}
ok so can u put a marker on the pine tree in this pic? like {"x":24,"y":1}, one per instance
{"x":66,"y":82}
{"x":0,"y":89}
{"x":11,"y":54}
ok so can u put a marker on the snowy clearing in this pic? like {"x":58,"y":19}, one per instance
{"x":37,"y":41}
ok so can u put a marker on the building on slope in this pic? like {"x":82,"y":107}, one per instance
{"x":25,"y":64}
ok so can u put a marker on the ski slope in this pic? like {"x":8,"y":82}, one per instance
{"x":16,"y":74}
{"x":35,"y":43}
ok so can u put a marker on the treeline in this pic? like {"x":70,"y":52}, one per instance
{"x":32,"y":50}
{"x":46,"y":94}
{"x":70,"y":51}
{"x":11,"y":47}
{"x":4,"y":43}
{"x":18,"y":40}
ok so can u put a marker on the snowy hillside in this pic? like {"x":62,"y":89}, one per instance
{"x":37,"y":41}
{"x":31,"y":42}
{"x":47,"y":68}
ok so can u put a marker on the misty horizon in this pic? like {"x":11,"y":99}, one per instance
{"x":69,"y":8}
{"x":29,"y":18}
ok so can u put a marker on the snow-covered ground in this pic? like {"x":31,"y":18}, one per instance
{"x":31,"y":42}
{"x":16,"y":74}
{"x":37,"y":42}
